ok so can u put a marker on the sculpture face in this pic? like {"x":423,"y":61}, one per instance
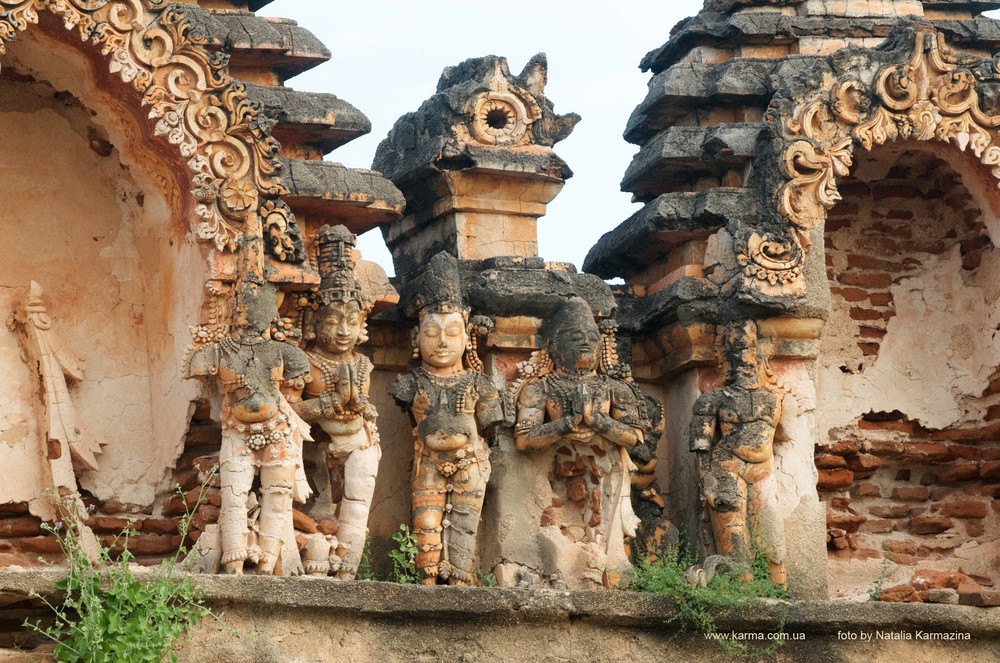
{"x":442,"y":339}
{"x":577,"y":347}
{"x":338,"y":327}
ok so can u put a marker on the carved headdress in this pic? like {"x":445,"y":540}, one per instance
{"x":440,"y":287}
{"x":335,"y":261}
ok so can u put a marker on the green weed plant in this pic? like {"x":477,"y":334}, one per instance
{"x":404,"y":557}
{"x":727,"y":594}
{"x":108,"y":614}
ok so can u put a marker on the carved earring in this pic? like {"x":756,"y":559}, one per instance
{"x":415,"y":354}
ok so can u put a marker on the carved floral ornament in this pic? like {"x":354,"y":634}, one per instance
{"x":194,"y":104}
{"x":935,"y":95}
{"x":502,"y":114}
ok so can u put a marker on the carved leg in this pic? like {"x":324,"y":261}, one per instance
{"x":236,"y":474}
{"x":765,"y":522}
{"x":276,"y":482}
{"x":466,"y":502}
{"x":359,"y":487}
{"x":725,"y":492}
{"x":428,"y":512}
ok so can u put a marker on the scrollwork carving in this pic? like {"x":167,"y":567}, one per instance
{"x":193,"y":102}
{"x":933,"y":95}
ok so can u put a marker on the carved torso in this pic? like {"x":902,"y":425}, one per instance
{"x":746,"y":420}
{"x":449,"y":411}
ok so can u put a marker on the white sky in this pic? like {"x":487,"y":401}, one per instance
{"x":388,"y":55}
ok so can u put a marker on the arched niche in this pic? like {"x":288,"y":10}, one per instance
{"x":98,"y":212}
{"x":907,"y":375}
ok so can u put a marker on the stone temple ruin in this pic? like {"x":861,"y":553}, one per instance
{"x":802,"y":355}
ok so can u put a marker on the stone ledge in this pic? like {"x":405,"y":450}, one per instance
{"x":632,"y":609}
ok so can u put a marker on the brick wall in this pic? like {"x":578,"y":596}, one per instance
{"x":894,"y":489}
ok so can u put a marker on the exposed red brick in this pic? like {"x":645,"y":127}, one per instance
{"x":972,"y":260}
{"x":893,"y":425}
{"x":930,"y":524}
{"x":911,"y":493}
{"x":839,"y":448}
{"x":925,"y":451}
{"x":890,"y":511}
{"x":111,"y":524}
{"x":901,"y":546}
{"x":958,"y":472}
{"x":990,"y":470}
{"x":874,"y":280}
{"x":834,"y":479}
{"x":37,"y":544}
{"x":872,"y":332}
{"x":828,"y":462}
{"x":988,"y":432}
{"x":853,"y":294}
{"x":993,"y":413}
{"x":884,"y":448}
{"x":866,"y":490}
{"x":846,"y":522}
{"x":963,"y":451}
{"x":880,"y":298}
{"x":975,"y":528}
{"x":160,"y":525}
{"x":864,"y":314}
{"x":24,"y":526}
{"x":902,"y":559}
{"x":203,"y":435}
{"x":993,"y":388}
{"x":207,"y":514}
{"x":966,"y":508}
{"x":941,"y":493}
{"x":899,"y":214}
{"x":899,"y":594}
{"x":877,"y":526}
{"x":14,"y":507}
{"x":841,"y":503}
{"x":869,"y":349}
{"x":303,"y":523}
{"x":863,"y":464}
{"x":867,"y":262}
{"x":991,"y":490}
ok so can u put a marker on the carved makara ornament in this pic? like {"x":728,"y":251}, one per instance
{"x":934,"y":94}
{"x":452,"y":404}
{"x":337,"y":400}
{"x":261,"y":434}
{"x":733,"y":431}
{"x":590,"y":419}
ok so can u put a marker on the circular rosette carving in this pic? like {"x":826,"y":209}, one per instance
{"x":237,"y":198}
{"x":501,"y":118}
{"x":774,"y":261}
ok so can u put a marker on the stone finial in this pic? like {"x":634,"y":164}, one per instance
{"x":475,"y":163}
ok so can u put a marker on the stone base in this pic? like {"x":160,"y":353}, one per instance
{"x":311,"y":619}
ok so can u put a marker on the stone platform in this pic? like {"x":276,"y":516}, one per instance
{"x":267,"y":619}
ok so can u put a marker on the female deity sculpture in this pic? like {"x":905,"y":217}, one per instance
{"x":591,"y":419}
{"x":451,"y":403}
{"x":733,"y":433}
{"x":260,"y":433}
{"x":337,"y":397}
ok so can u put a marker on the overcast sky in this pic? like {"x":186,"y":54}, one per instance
{"x":388,"y":55}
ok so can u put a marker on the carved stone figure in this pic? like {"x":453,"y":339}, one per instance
{"x":591,"y":420}
{"x":261,"y":434}
{"x":66,"y":445}
{"x":733,"y":432}
{"x":452,"y":403}
{"x":337,"y":400}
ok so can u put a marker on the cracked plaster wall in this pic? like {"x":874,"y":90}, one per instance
{"x":908,"y":363}
{"x":93,"y":216}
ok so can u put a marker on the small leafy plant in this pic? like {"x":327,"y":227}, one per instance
{"x":109,"y":614}
{"x":699,"y":608}
{"x":404,"y":557}
{"x":875,"y":591}
{"x":365,"y":571}
{"x":486,"y":579}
